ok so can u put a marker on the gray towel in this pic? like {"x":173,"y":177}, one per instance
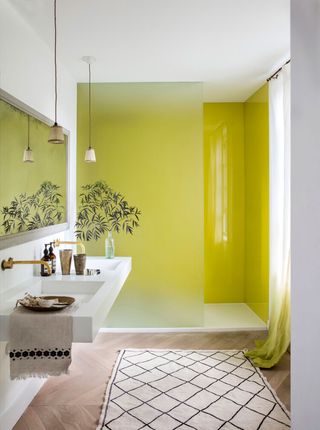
{"x":39,"y":343}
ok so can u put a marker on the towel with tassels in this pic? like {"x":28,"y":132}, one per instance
{"x":40,"y":343}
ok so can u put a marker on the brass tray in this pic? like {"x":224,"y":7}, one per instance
{"x":64,"y":300}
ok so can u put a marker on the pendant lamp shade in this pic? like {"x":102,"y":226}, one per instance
{"x":27,"y":153}
{"x":56,"y":132}
{"x":90,"y":155}
{"x":28,"y":156}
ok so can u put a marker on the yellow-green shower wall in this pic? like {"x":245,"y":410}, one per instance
{"x":256,"y":117}
{"x":236,"y":202}
{"x":224,"y":202}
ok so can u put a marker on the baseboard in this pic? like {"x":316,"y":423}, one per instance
{"x":177,"y":329}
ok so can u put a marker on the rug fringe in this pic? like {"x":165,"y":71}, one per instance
{"x":109,"y":385}
{"x":265,"y":380}
{"x":180,"y":349}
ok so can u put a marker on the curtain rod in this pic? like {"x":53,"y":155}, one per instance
{"x":277,"y":71}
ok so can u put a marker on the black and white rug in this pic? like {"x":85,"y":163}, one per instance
{"x":190,"y":390}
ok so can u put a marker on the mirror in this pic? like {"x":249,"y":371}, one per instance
{"x":33,"y":195}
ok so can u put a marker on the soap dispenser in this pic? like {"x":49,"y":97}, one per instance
{"x":44,"y":269}
{"x":53,"y":259}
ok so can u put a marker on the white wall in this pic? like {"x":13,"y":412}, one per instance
{"x":26,"y":72}
{"x":305,"y":214}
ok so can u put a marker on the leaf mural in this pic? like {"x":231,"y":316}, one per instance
{"x":41,"y":209}
{"x":102,"y":210}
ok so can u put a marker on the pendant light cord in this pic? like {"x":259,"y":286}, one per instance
{"x":55,"y":64}
{"x":28,"y":132}
{"x":89,"y":106}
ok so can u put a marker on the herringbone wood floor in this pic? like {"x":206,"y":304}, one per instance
{"x":73,"y":402}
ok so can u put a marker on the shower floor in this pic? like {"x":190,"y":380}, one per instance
{"x":228,"y":316}
{"x":217,"y":317}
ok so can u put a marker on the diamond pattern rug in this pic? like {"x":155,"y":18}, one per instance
{"x":190,"y":390}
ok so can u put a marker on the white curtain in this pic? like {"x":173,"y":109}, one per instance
{"x":267,"y":353}
{"x":279,"y":114}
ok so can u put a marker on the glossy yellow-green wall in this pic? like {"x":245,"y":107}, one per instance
{"x":224,"y":202}
{"x":236,"y":202}
{"x":148,"y":142}
{"x":256,"y":117}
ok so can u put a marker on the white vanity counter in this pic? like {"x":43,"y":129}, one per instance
{"x":94,"y":295}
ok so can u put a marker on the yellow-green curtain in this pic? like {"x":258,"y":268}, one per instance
{"x":267,"y":353}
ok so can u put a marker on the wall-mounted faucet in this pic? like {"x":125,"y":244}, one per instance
{"x":81,"y":247}
{"x":8,"y":264}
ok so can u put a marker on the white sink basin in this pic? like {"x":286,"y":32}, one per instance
{"x":94,"y":295}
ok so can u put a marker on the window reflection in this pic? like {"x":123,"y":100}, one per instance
{"x":218,"y":184}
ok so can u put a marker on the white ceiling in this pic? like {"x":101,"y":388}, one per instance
{"x":230,"y":45}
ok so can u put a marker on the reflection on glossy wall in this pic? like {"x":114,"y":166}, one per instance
{"x":224,"y":204}
{"x":32,"y":195}
{"x":257,"y":202}
{"x":148,"y":142}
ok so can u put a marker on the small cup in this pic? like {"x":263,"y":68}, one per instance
{"x":79,"y":263}
{"x":65,"y":261}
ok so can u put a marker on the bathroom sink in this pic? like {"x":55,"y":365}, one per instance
{"x":70,"y":286}
{"x":94,"y":295}
{"x":103,"y":263}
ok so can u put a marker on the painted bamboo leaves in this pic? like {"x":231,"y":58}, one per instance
{"x":30,"y":212}
{"x":102,"y":210}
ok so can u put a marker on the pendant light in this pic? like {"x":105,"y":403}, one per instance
{"x":56,"y":131}
{"x":27,"y":153}
{"x":90,"y":155}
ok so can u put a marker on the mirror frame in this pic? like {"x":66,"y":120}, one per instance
{"x":14,"y":239}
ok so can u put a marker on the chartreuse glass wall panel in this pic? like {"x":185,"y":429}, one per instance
{"x":148,"y":141}
{"x":257,"y":202}
{"x":224,"y":202}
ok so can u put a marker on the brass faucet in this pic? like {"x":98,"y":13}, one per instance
{"x":8,"y":264}
{"x":58,"y":242}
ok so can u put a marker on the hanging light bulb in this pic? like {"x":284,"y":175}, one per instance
{"x":90,"y":155}
{"x":56,"y":131}
{"x":27,"y":153}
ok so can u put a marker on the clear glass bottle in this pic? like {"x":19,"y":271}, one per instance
{"x":109,"y":245}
